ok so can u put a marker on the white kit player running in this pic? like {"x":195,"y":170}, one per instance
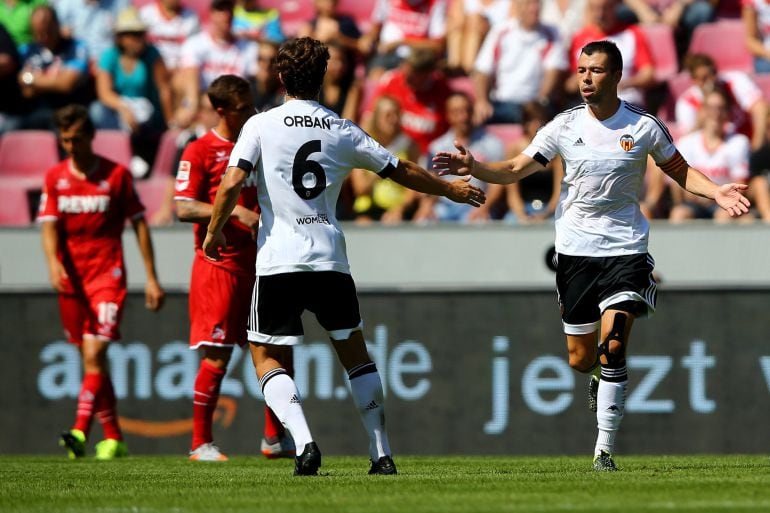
{"x":301,"y":153}
{"x":604,"y":273}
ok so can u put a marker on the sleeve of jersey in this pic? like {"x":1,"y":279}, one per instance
{"x":663,"y":148}
{"x":133,"y":204}
{"x":739,"y":171}
{"x":248,"y":149}
{"x":544,"y":146}
{"x":485,"y":60}
{"x":189,"y":175}
{"x":48,"y":209}
{"x":369,"y":154}
{"x":643,"y":55}
{"x":745,"y":90}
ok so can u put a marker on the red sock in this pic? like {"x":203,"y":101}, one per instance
{"x":205,"y":397}
{"x":89,"y":391}
{"x":106,"y":411}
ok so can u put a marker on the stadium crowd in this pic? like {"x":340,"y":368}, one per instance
{"x":415,"y":74}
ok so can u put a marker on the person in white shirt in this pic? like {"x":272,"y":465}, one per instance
{"x":169,"y":24}
{"x":604,"y":272}
{"x":299,"y":154}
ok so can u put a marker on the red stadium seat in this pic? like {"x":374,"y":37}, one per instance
{"x":725,"y":42}
{"x":676,"y":86}
{"x":294,"y":13}
{"x":359,"y":10}
{"x":16,"y":208}
{"x":114,"y":145}
{"x":28,"y":153}
{"x":152,"y":192}
{"x":661,"y":41}
{"x":509,"y":133}
{"x":166,"y":158}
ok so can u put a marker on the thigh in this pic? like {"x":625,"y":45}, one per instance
{"x":628,"y":280}
{"x":106,"y":311}
{"x":75,"y":313}
{"x":335,"y":303}
{"x":276,"y":310}
{"x":576,"y":279}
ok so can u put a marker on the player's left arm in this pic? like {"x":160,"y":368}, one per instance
{"x":224,"y":204}
{"x":153,"y":292}
{"x":727,"y":196}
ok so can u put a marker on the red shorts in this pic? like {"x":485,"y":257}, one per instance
{"x":220,"y":303}
{"x":97,"y":315}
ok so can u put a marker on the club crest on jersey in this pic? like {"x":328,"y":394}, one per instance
{"x":626,"y":142}
{"x":183,"y":172}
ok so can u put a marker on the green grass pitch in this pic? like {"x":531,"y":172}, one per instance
{"x":141,"y":484}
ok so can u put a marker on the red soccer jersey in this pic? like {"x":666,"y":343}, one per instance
{"x":90,"y":214}
{"x":201,"y":168}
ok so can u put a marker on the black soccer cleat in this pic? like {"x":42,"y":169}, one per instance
{"x":603,"y":462}
{"x":307,"y":463}
{"x":593,"y":392}
{"x":383,"y":467}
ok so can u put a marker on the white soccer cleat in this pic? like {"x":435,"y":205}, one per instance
{"x":282,"y":448}
{"x":207,"y":452}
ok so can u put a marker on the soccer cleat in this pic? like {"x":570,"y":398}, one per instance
{"x":281,"y":448}
{"x":307,"y":463}
{"x":383,"y":467}
{"x":593,"y":391}
{"x":74,"y":441}
{"x":603,"y":462}
{"x":110,"y":449}
{"x":207,"y":452}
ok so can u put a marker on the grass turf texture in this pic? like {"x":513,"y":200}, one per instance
{"x":437,"y":484}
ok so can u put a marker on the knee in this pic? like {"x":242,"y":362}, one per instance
{"x":612,"y":350}
{"x":582,"y":361}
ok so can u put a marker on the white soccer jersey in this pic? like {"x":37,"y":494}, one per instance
{"x":168,"y":34}
{"x":604,"y":165}
{"x":302,"y":152}
{"x":215,"y":58}
{"x":727,"y":163}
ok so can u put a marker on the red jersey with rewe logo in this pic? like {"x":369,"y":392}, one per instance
{"x":90,"y":214}
{"x":203,"y":163}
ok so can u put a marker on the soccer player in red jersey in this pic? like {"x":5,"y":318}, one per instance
{"x":220,"y":292}
{"x":85,"y":203}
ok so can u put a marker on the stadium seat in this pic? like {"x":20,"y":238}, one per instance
{"x":725,"y":42}
{"x":114,"y":145}
{"x":16,"y":208}
{"x":509,"y":133}
{"x":28,"y":153}
{"x":359,"y":10}
{"x":152,"y":192}
{"x":464,"y":85}
{"x":677,"y":84}
{"x":166,"y":157}
{"x":294,"y":13}
{"x":661,"y":40}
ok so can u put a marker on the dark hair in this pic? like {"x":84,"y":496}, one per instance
{"x":301,"y":64}
{"x":721,"y":90}
{"x":225,"y":89}
{"x":608,"y":48}
{"x":696,"y":60}
{"x":532,"y":111}
{"x":461,"y":94}
{"x":72,"y":114}
{"x":222,"y":5}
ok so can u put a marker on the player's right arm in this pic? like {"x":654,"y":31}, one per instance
{"x":410,"y":175}
{"x":462,"y":163}
{"x":224,"y":203}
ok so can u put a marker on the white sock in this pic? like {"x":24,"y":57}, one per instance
{"x":368,"y":397}
{"x":282,"y":396}
{"x":610,"y":406}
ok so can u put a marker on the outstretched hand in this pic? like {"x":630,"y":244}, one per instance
{"x":461,"y":191}
{"x":730,"y":198}
{"x":459,"y":163}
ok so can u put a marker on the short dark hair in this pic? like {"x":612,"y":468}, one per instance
{"x":608,"y":48}
{"x":72,"y":114}
{"x":696,"y":60}
{"x":301,"y":64}
{"x":224,"y":90}
{"x":222,"y":5}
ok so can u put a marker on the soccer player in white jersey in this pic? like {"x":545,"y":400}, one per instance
{"x":604,"y":273}
{"x":301,"y":153}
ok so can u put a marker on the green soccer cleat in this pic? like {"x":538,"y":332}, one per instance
{"x":110,"y":449}
{"x":603,"y":462}
{"x":593,"y":392}
{"x":74,"y":441}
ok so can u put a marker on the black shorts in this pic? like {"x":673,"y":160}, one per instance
{"x":279,"y":300}
{"x":587,"y":286}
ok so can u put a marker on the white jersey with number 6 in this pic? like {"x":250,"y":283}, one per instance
{"x":301,"y":153}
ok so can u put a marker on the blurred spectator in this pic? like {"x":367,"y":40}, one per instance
{"x":756,"y":17}
{"x":521,"y":61}
{"x":329,"y":26}
{"x":208,"y":54}
{"x":398,"y":27}
{"x":90,"y":21}
{"x":681,"y":15}
{"x":748,"y":113}
{"x":759,"y":180}
{"x":133,"y":87}
{"x":535,"y":199}
{"x":169,"y":24}
{"x":422,"y":91}
{"x":638,"y":67}
{"x":54,"y":70}
{"x":254,"y":23}
{"x":341,"y":91}
{"x":566,"y":15}
{"x":468,"y":21}
{"x":483,"y":145}
{"x":266,"y":87}
{"x":15,"y":16}
{"x":11,"y":102}
{"x":718,"y":154}
{"x":375,"y":198}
